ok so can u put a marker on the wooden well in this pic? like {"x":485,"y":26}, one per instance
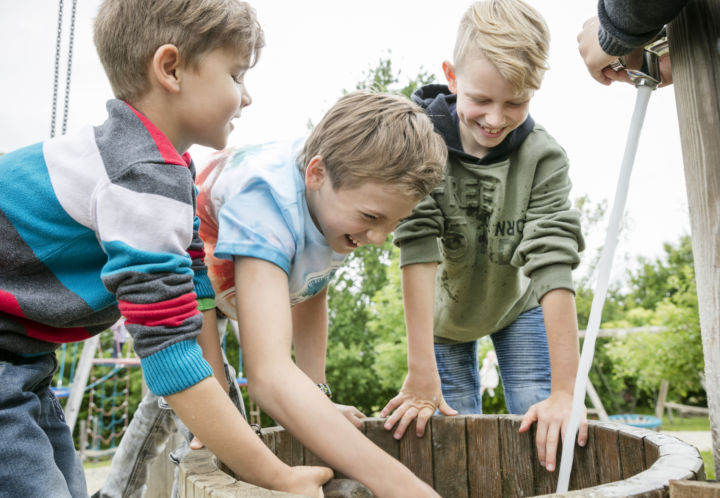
{"x":486,"y":456}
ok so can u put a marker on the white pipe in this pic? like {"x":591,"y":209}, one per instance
{"x":604,"y":267}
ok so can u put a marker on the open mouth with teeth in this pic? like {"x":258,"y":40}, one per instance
{"x":492,"y":132}
{"x":351,"y":241}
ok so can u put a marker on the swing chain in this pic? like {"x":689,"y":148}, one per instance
{"x":56,"y":75}
{"x":57,"y":70}
{"x":69,"y":67}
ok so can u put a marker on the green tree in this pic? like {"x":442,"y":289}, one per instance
{"x":628,"y":370}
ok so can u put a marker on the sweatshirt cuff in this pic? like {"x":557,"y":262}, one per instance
{"x":611,"y":45}
{"x":423,"y":250}
{"x":175,"y":368}
{"x":205,"y":304}
{"x":547,"y":278}
{"x":203,"y":287}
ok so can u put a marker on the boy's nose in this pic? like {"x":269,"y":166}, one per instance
{"x":377,"y":236}
{"x":245,"y":99}
{"x":494,"y":118}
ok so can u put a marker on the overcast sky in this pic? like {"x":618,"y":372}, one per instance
{"x":317,"y":48}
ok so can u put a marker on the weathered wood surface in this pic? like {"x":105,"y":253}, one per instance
{"x":416,"y":452}
{"x":450,"y":457}
{"x":694,"y":489}
{"x":483,"y":439}
{"x":486,"y":456}
{"x":693,"y":38}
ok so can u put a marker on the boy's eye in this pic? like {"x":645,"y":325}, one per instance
{"x":238,"y":78}
{"x":368,"y":216}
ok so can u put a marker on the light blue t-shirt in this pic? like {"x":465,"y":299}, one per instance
{"x":259,"y":198}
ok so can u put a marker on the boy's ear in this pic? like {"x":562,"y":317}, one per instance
{"x":164,"y":65}
{"x":315,"y":173}
{"x":449,"y":71}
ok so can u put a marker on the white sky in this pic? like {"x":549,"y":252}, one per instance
{"x":317,"y":48}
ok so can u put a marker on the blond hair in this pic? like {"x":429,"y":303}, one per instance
{"x":510,"y":34}
{"x":128,"y":32}
{"x":377,"y":138}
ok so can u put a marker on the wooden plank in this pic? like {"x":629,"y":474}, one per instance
{"x":375,"y":431}
{"x":545,"y":482}
{"x":662,"y":398}
{"x":607,"y":453}
{"x":652,"y":452}
{"x":632,"y":454}
{"x":416,"y":453}
{"x":483,"y":459}
{"x":312,"y":459}
{"x":268,"y":437}
{"x":449,"y":456}
{"x":694,"y":489}
{"x":693,"y":39}
{"x":288,"y":449}
{"x":516,"y":456}
{"x":584,"y":469}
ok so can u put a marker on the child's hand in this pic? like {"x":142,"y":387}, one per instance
{"x":351,"y":413}
{"x":306,"y":481}
{"x":196,"y":444}
{"x":552,"y":417}
{"x":418,"y":398}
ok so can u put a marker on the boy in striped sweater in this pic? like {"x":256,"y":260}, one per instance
{"x":101,"y":222}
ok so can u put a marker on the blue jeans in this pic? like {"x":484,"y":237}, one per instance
{"x":523,"y":357}
{"x":37,"y":454}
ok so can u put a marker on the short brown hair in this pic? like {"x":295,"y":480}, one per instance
{"x":380,"y":138}
{"x":510,"y":34}
{"x":128,"y":32}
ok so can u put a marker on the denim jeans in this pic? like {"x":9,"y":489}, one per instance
{"x":145,"y":439}
{"x":37,"y":454}
{"x":523,"y":358}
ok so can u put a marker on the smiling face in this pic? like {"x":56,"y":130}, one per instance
{"x":488,"y":106}
{"x":351,"y":217}
{"x":213,"y":94}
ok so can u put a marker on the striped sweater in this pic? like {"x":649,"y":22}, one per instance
{"x":102,"y":222}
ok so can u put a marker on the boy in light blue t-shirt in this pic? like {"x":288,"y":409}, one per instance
{"x":278,"y":220}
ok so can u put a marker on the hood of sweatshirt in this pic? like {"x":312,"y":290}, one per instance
{"x":441,"y":107}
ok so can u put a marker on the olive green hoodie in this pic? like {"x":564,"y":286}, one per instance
{"x":501,"y":227}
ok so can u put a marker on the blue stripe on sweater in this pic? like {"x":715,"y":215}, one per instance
{"x":125,"y":258}
{"x":69,"y":250}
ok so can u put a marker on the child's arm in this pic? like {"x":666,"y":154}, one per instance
{"x":553,"y":414}
{"x":420,"y":394}
{"x":310,"y":330}
{"x":292,"y":398}
{"x":208,"y":412}
{"x":209,"y":341}
{"x":310,"y":326}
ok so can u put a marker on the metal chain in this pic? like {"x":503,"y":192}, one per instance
{"x":69,"y":67}
{"x":57,"y":70}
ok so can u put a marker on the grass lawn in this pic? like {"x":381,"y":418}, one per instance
{"x":686,"y":424}
{"x":709,"y":465}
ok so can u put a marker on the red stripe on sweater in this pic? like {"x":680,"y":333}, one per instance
{"x":10,"y":305}
{"x":196,"y":254}
{"x":165,"y":147}
{"x":170,"y":313}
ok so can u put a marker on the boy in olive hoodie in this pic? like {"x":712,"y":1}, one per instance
{"x":491,"y":250}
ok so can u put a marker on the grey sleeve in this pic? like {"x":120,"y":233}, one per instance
{"x":629,"y":24}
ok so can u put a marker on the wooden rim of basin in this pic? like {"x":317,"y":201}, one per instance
{"x":618,"y":460}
